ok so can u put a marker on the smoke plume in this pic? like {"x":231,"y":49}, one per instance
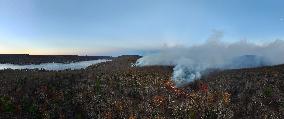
{"x":192,"y":62}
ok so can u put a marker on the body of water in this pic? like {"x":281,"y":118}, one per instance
{"x":53,"y":66}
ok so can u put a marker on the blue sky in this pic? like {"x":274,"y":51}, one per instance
{"x":98,"y":27}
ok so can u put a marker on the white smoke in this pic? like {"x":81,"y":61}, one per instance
{"x":191,"y":62}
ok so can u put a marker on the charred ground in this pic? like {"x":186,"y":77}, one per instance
{"x":116,"y":90}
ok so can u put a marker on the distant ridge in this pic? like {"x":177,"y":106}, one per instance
{"x":23,"y":59}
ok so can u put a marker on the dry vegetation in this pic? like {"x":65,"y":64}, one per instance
{"x":117,"y":90}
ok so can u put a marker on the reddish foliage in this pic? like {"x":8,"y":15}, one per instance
{"x":203,"y":87}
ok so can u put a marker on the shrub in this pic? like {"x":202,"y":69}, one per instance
{"x":268,"y":91}
{"x":98,"y":86}
{"x":210,"y":114}
{"x":282,"y":104}
{"x":6,"y":104}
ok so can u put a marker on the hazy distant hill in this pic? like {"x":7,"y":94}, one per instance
{"x":38,"y":59}
{"x":248,"y":61}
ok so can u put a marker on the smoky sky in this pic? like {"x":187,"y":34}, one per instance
{"x":191,"y":62}
{"x":105,"y":26}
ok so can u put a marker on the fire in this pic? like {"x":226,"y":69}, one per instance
{"x":226,"y":97}
{"x":159,"y":100}
{"x":170,"y":86}
{"x":132,"y":116}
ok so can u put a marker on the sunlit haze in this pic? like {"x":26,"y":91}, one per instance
{"x":112,"y":27}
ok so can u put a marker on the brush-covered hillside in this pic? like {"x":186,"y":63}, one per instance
{"x":115,"y":89}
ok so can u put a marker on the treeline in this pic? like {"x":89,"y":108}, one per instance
{"x":23,"y":59}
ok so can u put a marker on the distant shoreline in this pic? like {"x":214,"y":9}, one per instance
{"x":26,"y":59}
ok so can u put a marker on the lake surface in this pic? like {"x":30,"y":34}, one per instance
{"x":53,"y":66}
